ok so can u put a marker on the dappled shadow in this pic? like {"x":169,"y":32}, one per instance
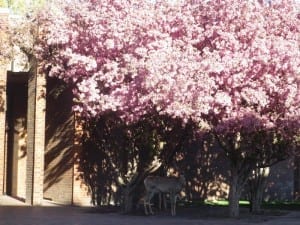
{"x":206,"y":169}
{"x":113,"y":153}
{"x":59,"y":140}
{"x":2,"y":96}
{"x":280,"y":182}
{"x":106,"y":157}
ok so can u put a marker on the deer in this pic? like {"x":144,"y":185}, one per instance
{"x":162,"y":185}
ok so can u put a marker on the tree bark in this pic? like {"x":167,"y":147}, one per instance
{"x":132,"y":193}
{"x":234,"y":195}
{"x":257,"y":185}
{"x":132,"y":190}
{"x":128,"y":200}
{"x":255,"y":203}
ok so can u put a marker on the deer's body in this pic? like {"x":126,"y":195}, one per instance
{"x":160,"y":185}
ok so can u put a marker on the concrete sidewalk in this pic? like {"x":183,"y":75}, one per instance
{"x":56,"y":215}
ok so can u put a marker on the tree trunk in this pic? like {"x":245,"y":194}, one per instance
{"x":255,"y":203}
{"x":134,"y":188}
{"x":257,"y":185}
{"x":128,"y":200}
{"x":132,"y":194}
{"x":234,"y":195}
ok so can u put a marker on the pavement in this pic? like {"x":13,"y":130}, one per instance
{"x":13,"y":212}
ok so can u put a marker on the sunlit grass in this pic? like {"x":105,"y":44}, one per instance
{"x":225,"y":202}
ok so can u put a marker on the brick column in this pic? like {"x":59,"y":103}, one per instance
{"x":35,"y":136}
{"x":3,"y":77}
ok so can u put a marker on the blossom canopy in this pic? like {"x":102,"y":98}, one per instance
{"x":229,"y":62}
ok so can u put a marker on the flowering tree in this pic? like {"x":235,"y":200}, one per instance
{"x":121,"y":56}
{"x":4,"y":53}
{"x":231,"y":65}
{"x":21,"y":6}
{"x":251,"y":51}
{"x":18,"y":30}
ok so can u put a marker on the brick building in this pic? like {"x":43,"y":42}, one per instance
{"x":36,"y":139}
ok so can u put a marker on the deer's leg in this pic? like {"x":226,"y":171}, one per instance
{"x":159,"y":200}
{"x":150,"y":207}
{"x":147,"y":202}
{"x":175,"y":199}
{"x":162,"y":201}
{"x":173,"y":203}
{"x":165,"y":201}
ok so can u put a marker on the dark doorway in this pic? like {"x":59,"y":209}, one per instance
{"x":16,"y":121}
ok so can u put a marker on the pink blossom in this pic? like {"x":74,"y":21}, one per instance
{"x":232,"y":63}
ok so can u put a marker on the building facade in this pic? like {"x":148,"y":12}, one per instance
{"x":36,"y":137}
{"x":37,"y":141}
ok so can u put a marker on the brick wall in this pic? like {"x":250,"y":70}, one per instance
{"x":3,"y":22}
{"x":2,"y":127}
{"x":35,"y":136}
{"x":81,"y":192}
{"x":59,"y":152}
{"x":61,"y":170}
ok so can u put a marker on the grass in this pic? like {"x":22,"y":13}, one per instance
{"x":281,"y":205}
{"x":284,"y":205}
{"x":213,"y":203}
{"x":226,"y":203}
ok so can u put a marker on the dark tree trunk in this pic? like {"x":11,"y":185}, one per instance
{"x":128,"y":204}
{"x":255,"y":202}
{"x":234,"y":196}
{"x":131,"y":195}
{"x":128,"y":200}
{"x":257,"y":185}
{"x":133,"y":190}
{"x":240,"y":173}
